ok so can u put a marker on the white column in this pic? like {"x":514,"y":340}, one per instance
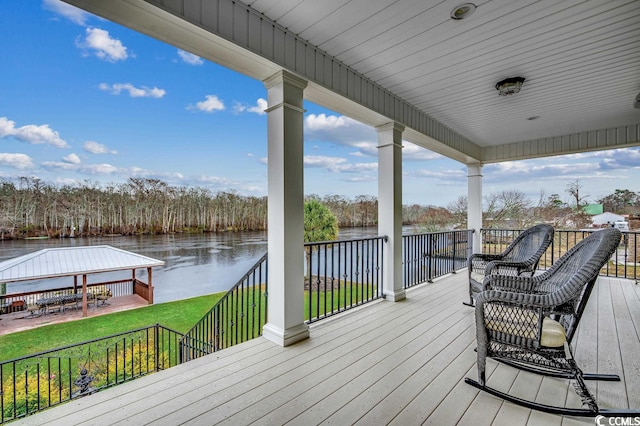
{"x":390,"y":206}
{"x":474,"y":203}
{"x":285,"y":322}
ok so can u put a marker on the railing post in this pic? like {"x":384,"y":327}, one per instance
{"x":157,"y":346}
{"x":453,"y":259}
{"x":430,"y":242}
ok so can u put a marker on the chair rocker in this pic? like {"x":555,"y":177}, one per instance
{"x":520,"y":257}
{"x":529,"y":323}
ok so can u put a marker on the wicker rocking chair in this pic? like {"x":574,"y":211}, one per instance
{"x":529,"y":322}
{"x":520,"y":257}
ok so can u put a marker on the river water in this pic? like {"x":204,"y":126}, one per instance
{"x":195,"y":264}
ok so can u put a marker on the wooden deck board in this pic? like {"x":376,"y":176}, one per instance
{"x":387,"y":363}
{"x":629,"y":342}
{"x":351,"y":382}
{"x":609,"y":394}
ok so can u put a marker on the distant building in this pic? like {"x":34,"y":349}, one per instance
{"x":606,"y":218}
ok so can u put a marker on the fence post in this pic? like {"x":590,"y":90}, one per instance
{"x":453,"y":259}
{"x":430,"y":242}
{"x":157,"y":346}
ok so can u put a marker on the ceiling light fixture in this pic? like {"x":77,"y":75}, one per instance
{"x":462,"y":11}
{"x":509,"y":86}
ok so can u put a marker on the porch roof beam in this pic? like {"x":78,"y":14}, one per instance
{"x":238,"y":37}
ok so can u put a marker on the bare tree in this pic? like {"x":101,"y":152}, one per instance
{"x":574,"y":189}
{"x":459,"y":209}
{"x":508,"y":208}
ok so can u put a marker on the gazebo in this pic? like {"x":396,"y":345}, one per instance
{"x":76,"y":261}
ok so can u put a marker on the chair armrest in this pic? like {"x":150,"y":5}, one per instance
{"x":478,"y":261}
{"x":482,"y":257}
{"x":495,"y":266}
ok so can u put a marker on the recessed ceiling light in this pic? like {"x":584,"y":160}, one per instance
{"x":462,"y":11}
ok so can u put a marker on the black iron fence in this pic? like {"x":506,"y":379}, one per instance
{"x":35,"y":382}
{"x":625,"y":263}
{"x":431,"y":255}
{"x":237,"y":317}
{"x":341,"y":275}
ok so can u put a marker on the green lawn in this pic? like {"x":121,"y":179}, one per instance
{"x":180,"y":316}
{"x":320,"y":304}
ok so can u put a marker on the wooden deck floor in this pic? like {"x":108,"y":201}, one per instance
{"x":387,"y":363}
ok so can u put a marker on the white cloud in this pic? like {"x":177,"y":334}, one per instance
{"x":341,"y":130}
{"x":327,"y":123}
{"x":344,"y":131}
{"x":17,"y":161}
{"x":31,"y":133}
{"x":90,"y":169}
{"x":154,"y":174}
{"x":104,"y":47}
{"x":72,"y":158}
{"x":446,"y":176}
{"x":211,"y":180}
{"x":72,"y":13}
{"x":337,"y":164}
{"x":412,"y":152}
{"x":322,"y":161}
{"x":259,"y":108}
{"x":134,"y":92}
{"x":190,"y":58}
{"x":97,"y":148}
{"x":212,"y":103}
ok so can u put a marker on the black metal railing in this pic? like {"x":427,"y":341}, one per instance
{"x":15,"y":302}
{"x":35,"y":382}
{"x":237,"y":317}
{"x":625,"y":263}
{"x":343,"y":274}
{"x":431,"y":255}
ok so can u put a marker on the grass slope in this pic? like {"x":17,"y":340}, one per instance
{"x":180,"y":316}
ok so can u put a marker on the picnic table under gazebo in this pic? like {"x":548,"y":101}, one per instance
{"x":80,"y":261}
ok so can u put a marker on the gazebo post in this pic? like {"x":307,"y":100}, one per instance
{"x":150,"y":299}
{"x":75,"y":284}
{"x":84,"y":295}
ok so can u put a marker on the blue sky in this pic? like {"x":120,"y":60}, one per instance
{"x":84,"y":99}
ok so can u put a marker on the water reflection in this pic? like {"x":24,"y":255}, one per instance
{"x":195,"y":264}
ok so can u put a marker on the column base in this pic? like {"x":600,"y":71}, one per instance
{"x":285,"y":337}
{"x":396,"y":296}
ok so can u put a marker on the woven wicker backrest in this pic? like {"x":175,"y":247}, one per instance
{"x":531,"y":242}
{"x":572,"y":277}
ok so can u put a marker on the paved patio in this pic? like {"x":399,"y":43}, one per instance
{"x":19,"y":321}
{"x":387,"y":363}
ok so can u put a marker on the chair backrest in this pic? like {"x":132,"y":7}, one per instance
{"x":571,"y":278}
{"x":531,"y":243}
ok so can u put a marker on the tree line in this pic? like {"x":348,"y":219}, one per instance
{"x":31,"y":208}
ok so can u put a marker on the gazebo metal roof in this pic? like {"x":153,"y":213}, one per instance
{"x":69,"y":261}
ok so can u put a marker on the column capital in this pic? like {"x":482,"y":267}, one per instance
{"x":283,"y":76}
{"x":390,"y":126}
{"x":474,"y":169}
